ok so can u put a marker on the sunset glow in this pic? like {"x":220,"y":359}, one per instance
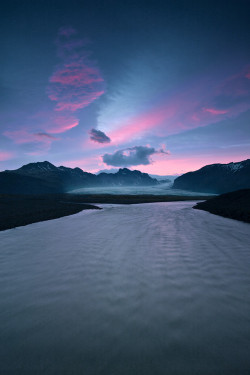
{"x":88,"y":97}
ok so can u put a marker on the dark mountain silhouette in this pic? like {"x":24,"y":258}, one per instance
{"x":125,"y":177}
{"x":216,"y":178}
{"x":62,"y":178}
{"x":44,"y":177}
{"x":12,"y":183}
{"x":234,"y":205}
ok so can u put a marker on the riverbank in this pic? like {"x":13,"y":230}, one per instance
{"x":130,"y":198}
{"x":234,"y":205}
{"x":19,"y":210}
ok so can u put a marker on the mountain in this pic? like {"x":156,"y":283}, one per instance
{"x":216,"y":178}
{"x":234,"y":205}
{"x":62,"y":178}
{"x":125,"y":177}
{"x":44,"y":177}
{"x":111,"y":170}
{"x":12,"y":183}
{"x":162,"y":179}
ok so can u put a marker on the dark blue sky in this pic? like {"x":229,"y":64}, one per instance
{"x":161,"y":86}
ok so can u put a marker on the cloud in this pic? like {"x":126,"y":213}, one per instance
{"x":52,"y":122}
{"x":24,"y":136}
{"x":137,"y":155}
{"x":74,"y":84}
{"x":45,"y":136}
{"x":6,"y":155}
{"x":99,"y":136}
{"x":62,"y":123}
{"x":77,"y":81}
{"x":137,"y":86}
{"x":132,"y":110}
{"x":215,"y":111}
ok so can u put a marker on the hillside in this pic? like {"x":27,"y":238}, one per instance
{"x":12,"y":183}
{"x":216,"y":178}
{"x":19,"y":210}
{"x":235,"y":205}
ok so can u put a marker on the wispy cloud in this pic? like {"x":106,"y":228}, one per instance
{"x":45,"y":136}
{"x":200,"y":102}
{"x":76,"y":81}
{"x":98,"y":136}
{"x":138,"y":155}
{"x":6,"y":155}
{"x":41,"y":141}
{"x":74,"y":84}
{"x":215,"y":111}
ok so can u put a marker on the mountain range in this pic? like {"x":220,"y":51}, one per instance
{"x":216,"y":178}
{"x":44,"y":178}
{"x":163,"y":179}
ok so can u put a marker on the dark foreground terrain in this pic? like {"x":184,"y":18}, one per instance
{"x":128,"y":199}
{"x":235,"y":205}
{"x":18,"y":210}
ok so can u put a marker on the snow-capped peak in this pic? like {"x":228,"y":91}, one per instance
{"x":234,"y":166}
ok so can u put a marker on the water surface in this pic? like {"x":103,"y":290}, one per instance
{"x":143,"y":289}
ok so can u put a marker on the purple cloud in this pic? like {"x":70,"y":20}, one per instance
{"x":45,"y":136}
{"x":77,"y":81}
{"x":23,"y":136}
{"x":138,"y":155}
{"x":99,"y":136}
{"x":74,"y":84}
{"x":6,"y":155}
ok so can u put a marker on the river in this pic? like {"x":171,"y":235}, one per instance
{"x":149,"y":289}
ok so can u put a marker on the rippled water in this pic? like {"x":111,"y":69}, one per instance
{"x":144,"y":289}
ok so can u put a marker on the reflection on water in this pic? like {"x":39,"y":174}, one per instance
{"x":144,"y":289}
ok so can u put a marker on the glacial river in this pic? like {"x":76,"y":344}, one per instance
{"x":151,"y":289}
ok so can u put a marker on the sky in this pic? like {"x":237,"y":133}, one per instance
{"x":158,"y":86}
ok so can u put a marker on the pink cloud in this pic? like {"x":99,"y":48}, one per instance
{"x":45,"y":135}
{"x":24,"y":136}
{"x":189,"y":108}
{"x":54,"y":122}
{"x":137,"y":125}
{"x":74,"y":84}
{"x":77,"y":81}
{"x":63,"y":123}
{"x":75,"y":74}
{"x":215,"y":111}
{"x":20,"y":136}
{"x":6,"y":155}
